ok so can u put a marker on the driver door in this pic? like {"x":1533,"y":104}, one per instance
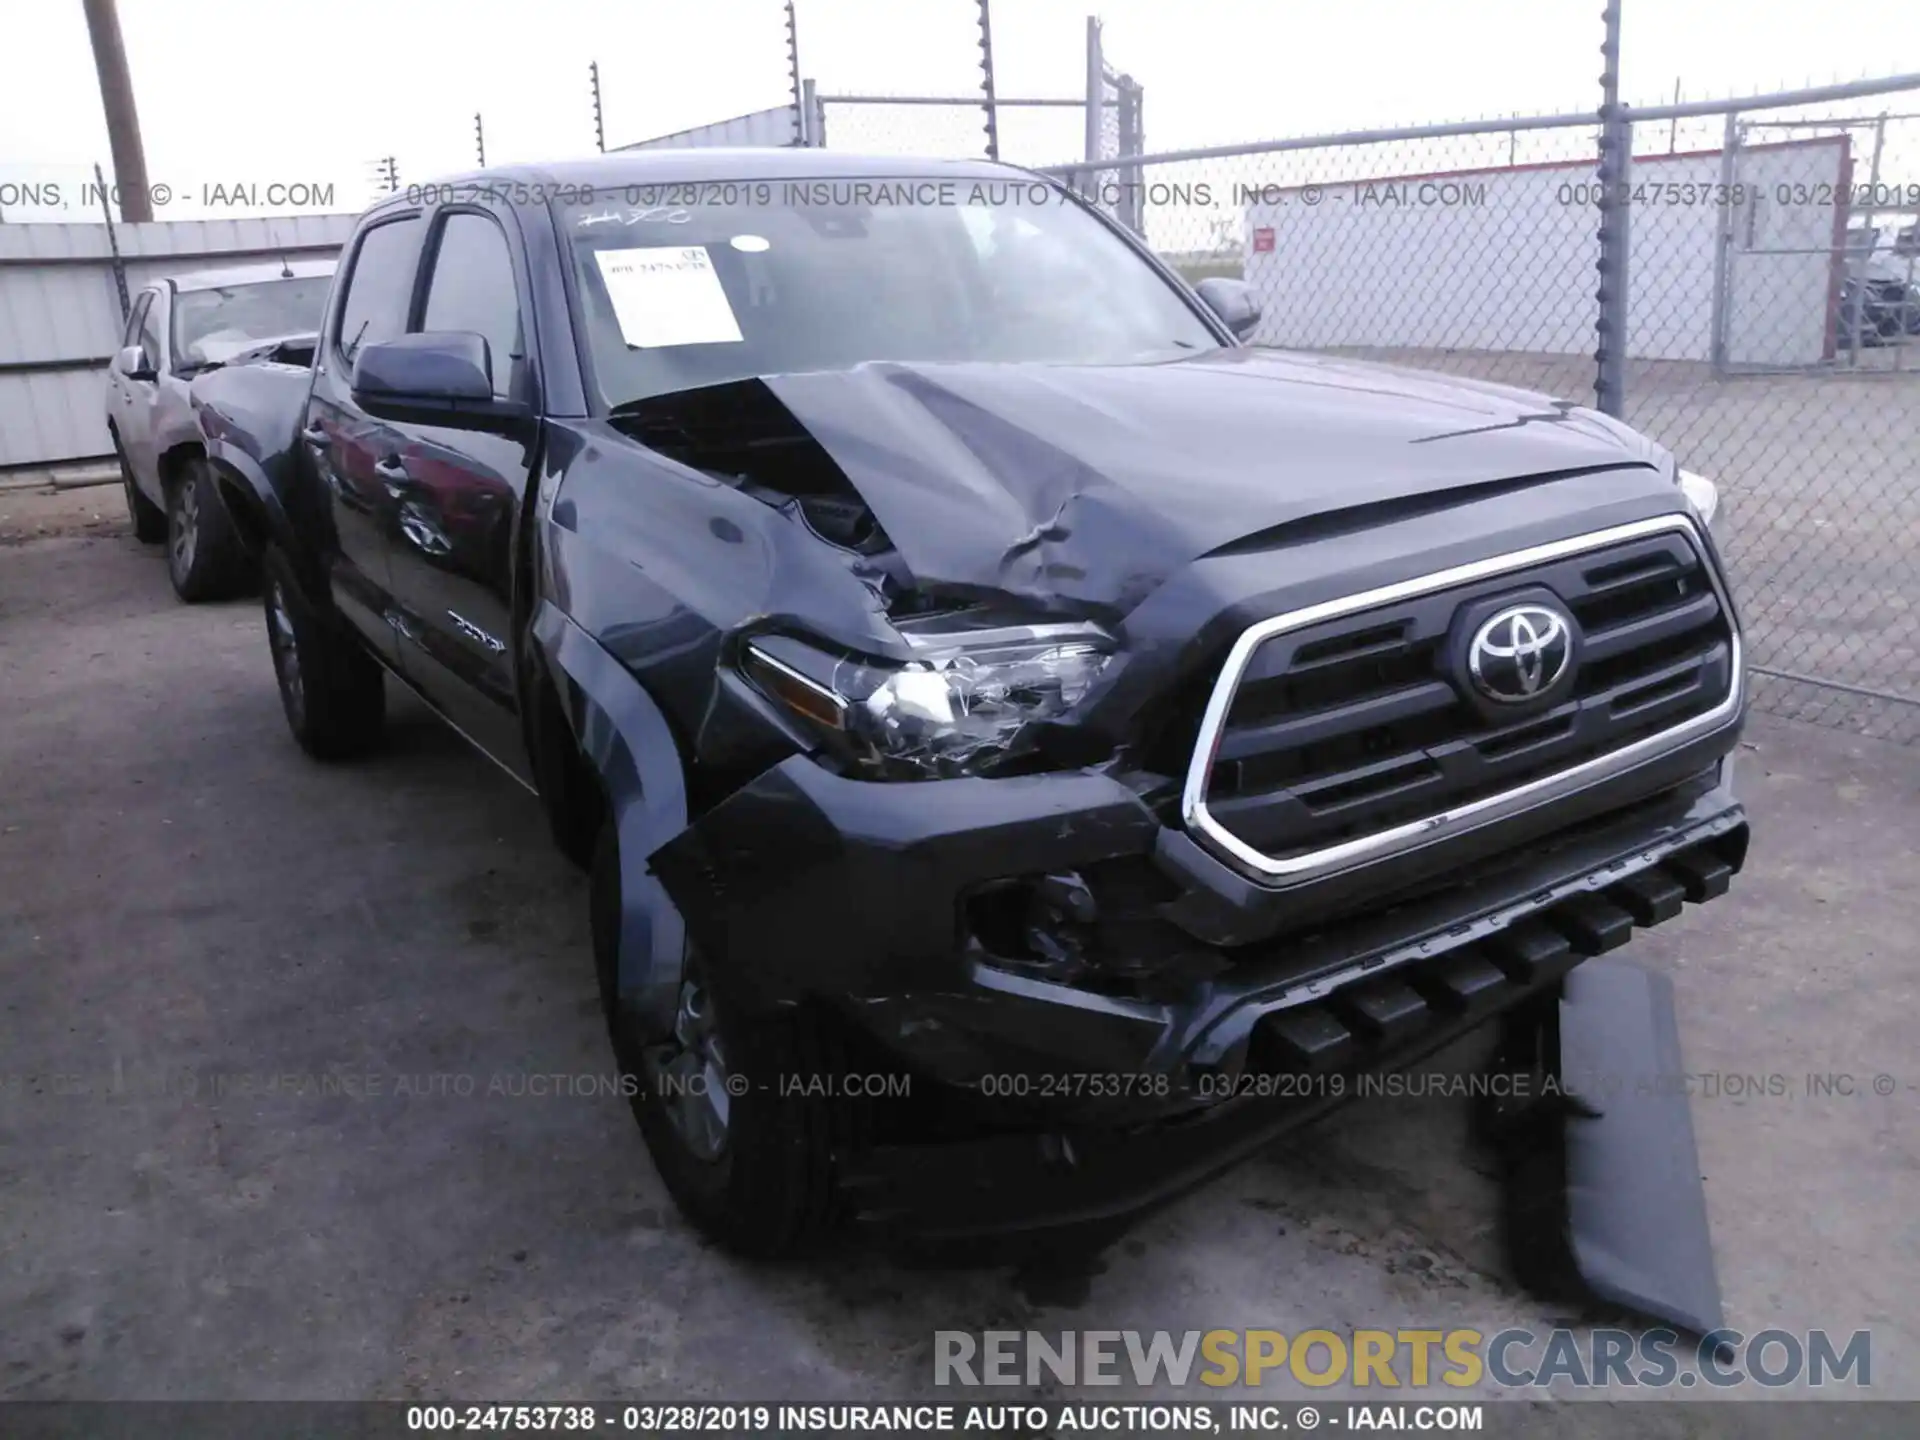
{"x":459,"y":494}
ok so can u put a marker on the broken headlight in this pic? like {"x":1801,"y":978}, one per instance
{"x":967,"y":703}
{"x":1701,"y":494}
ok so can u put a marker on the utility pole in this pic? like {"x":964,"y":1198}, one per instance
{"x":123,"y":121}
{"x":480,"y":139}
{"x":599,"y":127}
{"x":986,"y":82}
{"x":389,"y":171}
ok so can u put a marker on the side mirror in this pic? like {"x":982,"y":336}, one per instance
{"x":1233,"y":301}
{"x":132,"y":363}
{"x":441,"y":377}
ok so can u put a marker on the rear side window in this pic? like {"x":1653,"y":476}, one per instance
{"x":379,"y":287}
{"x":149,"y":341}
{"x":137,"y":318}
{"x":472,"y":289}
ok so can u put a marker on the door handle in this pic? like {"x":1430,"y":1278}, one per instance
{"x":315,"y":434}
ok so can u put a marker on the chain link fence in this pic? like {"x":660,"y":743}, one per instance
{"x":1805,"y":405}
{"x":1772,"y":336}
{"x":1772,"y":311}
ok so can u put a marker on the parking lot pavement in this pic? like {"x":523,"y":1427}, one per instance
{"x":196,"y":924}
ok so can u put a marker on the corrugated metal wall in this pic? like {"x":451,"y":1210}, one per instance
{"x":60,"y":320}
{"x":773,"y":127}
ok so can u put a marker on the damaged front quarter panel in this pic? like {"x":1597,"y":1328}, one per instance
{"x":848,"y":888}
{"x":850,"y":511}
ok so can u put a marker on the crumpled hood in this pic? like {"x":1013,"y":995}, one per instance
{"x":230,"y":348}
{"x":1094,"y":483}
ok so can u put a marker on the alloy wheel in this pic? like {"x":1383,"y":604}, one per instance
{"x":186,"y":525}
{"x":690,"y":1077}
{"x":286,"y":651}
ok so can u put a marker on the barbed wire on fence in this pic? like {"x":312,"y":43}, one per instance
{"x":1771,"y":309}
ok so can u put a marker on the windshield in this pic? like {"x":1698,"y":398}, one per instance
{"x":682,"y":289}
{"x":211,"y":325}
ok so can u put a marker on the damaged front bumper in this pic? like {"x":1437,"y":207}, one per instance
{"x":1125,"y":1041}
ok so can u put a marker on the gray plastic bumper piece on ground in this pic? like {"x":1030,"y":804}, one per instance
{"x":1636,"y":1214}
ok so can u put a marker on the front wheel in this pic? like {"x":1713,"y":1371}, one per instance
{"x":332,"y":691}
{"x":733,"y":1107}
{"x":205,"y":560}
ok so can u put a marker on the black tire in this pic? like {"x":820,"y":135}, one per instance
{"x":149,"y":520}
{"x":205,"y":559}
{"x":771,"y":1192}
{"x":332,"y":691}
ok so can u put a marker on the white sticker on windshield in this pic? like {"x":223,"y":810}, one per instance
{"x":752,"y":244}
{"x":667,"y":295}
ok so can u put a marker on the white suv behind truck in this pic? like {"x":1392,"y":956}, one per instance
{"x":178,"y":328}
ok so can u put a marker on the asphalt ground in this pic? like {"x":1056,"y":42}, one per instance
{"x":190,"y":908}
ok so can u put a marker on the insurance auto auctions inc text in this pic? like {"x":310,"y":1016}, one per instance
{"x":1406,"y":1358}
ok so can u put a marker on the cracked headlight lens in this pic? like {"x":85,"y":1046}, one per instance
{"x":1701,"y":494}
{"x":965,"y":704}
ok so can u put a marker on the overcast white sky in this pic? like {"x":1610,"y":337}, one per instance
{"x":251,"y":91}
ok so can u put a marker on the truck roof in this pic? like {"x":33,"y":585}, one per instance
{"x":252,"y":274}
{"x":724,"y":163}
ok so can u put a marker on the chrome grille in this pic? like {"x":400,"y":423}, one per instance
{"x":1346,"y":731}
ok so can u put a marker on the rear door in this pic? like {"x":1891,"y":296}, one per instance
{"x":460,"y":493}
{"x":119,"y":389}
{"x":355,"y":455}
{"x":140,"y":397}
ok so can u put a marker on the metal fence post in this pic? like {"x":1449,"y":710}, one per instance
{"x":986,"y":82}
{"x":1871,"y":232}
{"x":1096,"y":105}
{"x":1133,"y":141}
{"x":797,"y":90}
{"x":599,"y":123}
{"x":1616,"y":151}
{"x":815,"y":117}
{"x":1722,"y":302}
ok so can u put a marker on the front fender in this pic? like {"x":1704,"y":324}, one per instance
{"x":626,"y":739}
{"x":259,"y":517}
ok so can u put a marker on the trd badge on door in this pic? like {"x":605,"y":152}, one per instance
{"x":475,"y":633}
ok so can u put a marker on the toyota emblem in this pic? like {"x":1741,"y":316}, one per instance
{"x":1520,"y":652}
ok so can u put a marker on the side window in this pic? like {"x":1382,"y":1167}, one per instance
{"x":472,"y":289}
{"x":149,"y":341}
{"x":379,"y":287}
{"x":136,"y":318}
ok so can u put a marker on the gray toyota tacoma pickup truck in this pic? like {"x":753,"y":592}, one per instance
{"x":1031,"y":747}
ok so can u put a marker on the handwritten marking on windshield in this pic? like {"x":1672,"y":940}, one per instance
{"x":650,"y":214}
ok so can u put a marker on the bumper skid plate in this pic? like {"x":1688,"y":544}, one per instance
{"x":1072,"y":1175}
{"x":1603,"y":1197}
